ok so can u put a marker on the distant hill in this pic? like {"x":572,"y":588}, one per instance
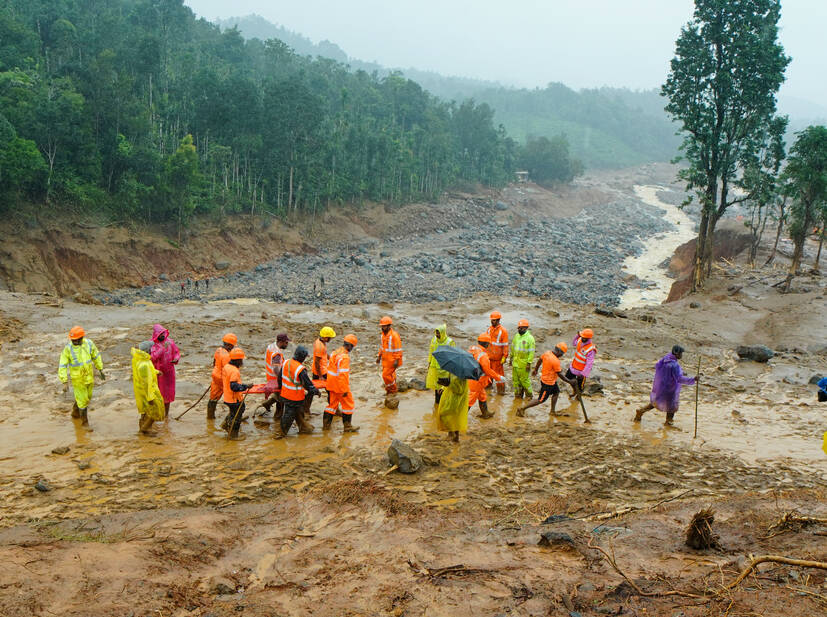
{"x":605,"y":127}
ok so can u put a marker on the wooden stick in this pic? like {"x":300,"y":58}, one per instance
{"x":803,"y":563}
{"x":697,"y":388}
{"x":194,"y":404}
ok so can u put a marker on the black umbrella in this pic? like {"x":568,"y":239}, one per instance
{"x":458,"y":362}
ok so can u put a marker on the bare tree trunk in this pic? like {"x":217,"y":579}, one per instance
{"x":781,"y":207}
{"x":818,"y":254}
{"x":700,"y":249}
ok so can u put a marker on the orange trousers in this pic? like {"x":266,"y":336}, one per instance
{"x":343,"y":400}
{"x":389,"y":374}
{"x":476,"y":390}
{"x":216,"y":389}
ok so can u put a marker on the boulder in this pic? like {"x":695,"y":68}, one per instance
{"x":416,"y":383}
{"x":404,"y":457}
{"x":556,"y":539}
{"x":221,"y":586}
{"x":501,"y":206}
{"x":593,"y":386}
{"x":814,"y":380}
{"x":60,"y":450}
{"x":222,"y":265}
{"x":43,"y":486}
{"x":756,"y":353}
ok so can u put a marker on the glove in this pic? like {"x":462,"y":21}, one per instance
{"x":247,"y":386}
{"x":65,"y":386}
{"x":103,"y":376}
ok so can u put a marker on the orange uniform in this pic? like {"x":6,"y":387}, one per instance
{"x":551,"y":367}
{"x":338,"y":383}
{"x":320,"y":359}
{"x":220,"y":359}
{"x":391,"y":354}
{"x":291,"y":385}
{"x":273,"y":359}
{"x":229,"y":374}
{"x":498,"y":351}
{"x":476,"y":387}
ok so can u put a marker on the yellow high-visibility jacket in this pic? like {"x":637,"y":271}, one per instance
{"x":77,"y":362}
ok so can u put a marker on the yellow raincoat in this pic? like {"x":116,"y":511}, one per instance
{"x":145,"y":385}
{"x":452,"y":414}
{"x":824,"y":445}
{"x":77,"y":363}
{"x":434,"y":372}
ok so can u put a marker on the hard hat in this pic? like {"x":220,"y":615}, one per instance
{"x":327,"y":332}
{"x":484,"y":338}
{"x":386,"y":321}
{"x":283,"y":338}
{"x":523,"y":323}
{"x":351,"y":338}
{"x":76,"y":332}
{"x":237,"y":353}
{"x":496,"y":315}
{"x":562,"y":346}
{"x":230,"y":338}
{"x":586,"y":334}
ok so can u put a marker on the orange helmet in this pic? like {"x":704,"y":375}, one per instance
{"x":523,"y":323}
{"x":586,"y":334}
{"x":496,"y":315}
{"x":237,"y":354}
{"x":76,"y":333}
{"x":484,"y":338}
{"x":562,"y":346}
{"x":351,"y":338}
{"x":386,"y":321}
{"x":230,"y":338}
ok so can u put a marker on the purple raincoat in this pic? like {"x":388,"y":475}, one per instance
{"x":165,"y":356}
{"x":666,"y":387}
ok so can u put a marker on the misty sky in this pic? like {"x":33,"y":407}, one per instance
{"x":529,"y":42}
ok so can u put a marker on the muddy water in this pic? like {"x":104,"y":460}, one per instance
{"x":647,"y":266}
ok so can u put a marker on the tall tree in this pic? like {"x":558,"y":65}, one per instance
{"x":727,"y":69}
{"x":806,"y":177}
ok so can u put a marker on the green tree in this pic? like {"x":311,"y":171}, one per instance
{"x":548,"y":160}
{"x":727,"y":69}
{"x":181,"y":181}
{"x":806,"y":178}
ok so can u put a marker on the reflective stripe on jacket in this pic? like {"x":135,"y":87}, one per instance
{"x":291,"y":385}
{"x":498,"y":349}
{"x":522,"y":350}
{"x":273,"y":353}
{"x":581,"y":354}
{"x":77,"y":362}
{"x":229,"y":374}
{"x":338,"y":372}
{"x":391,"y":346}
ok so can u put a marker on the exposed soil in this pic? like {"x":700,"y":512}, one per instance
{"x":188,"y":523}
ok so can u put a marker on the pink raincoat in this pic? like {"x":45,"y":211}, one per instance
{"x":165,"y":356}
{"x":666,"y":387}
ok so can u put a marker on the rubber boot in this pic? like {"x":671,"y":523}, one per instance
{"x":347,"y":420}
{"x":75,"y":410}
{"x":500,"y":388}
{"x":327,"y":421}
{"x":166,"y":411}
{"x":211,"y":405}
{"x":84,"y":418}
{"x":225,"y":422}
{"x":305,"y":428}
{"x":437,"y":396}
{"x":484,"y":413}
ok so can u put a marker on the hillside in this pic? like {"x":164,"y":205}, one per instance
{"x":606,"y":127}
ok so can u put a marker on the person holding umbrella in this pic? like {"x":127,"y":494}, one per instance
{"x":435,"y":373}
{"x":459,"y":366}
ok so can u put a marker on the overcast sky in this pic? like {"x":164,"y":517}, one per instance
{"x":529,"y":42}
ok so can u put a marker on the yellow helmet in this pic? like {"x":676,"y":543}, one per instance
{"x":327,"y":332}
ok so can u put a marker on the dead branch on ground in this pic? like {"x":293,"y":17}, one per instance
{"x":793,"y":521}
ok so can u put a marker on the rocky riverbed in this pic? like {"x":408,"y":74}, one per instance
{"x":504,"y":245}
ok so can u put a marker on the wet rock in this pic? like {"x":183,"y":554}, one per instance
{"x":501,"y":206}
{"x":406,"y":458}
{"x":607,"y":312}
{"x":402,"y":384}
{"x":43,"y":486}
{"x":163,"y":276}
{"x":814,"y":380}
{"x":593,"y":386}
{"x":756,"y":353}
{"x":556,"y":539}
{"x":648,"y":318}
{"x":391,"y":402}
{"x":221,"y":586}
{"x":84,"y":465}
{"x":556,"y":518}
{"x":222,"y":265}
{"x":417,"y":384}
{"x":695,"y":305}
{"x":60,"y":450}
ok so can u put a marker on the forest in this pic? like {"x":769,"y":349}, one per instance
{"x":136,"y":110}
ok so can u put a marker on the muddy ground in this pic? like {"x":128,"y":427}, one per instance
{"x":186,"y":522}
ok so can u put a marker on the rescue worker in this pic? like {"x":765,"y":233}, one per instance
{"x":583,"y":361}
{"x":390,"y":354}
{"x":338,"y":387}
{"x":476,"y":387}
{"x":522,"y":355}
{"x":666,"y":386}
{"x":220,"y":359}
{"x":552,"y":371}
{"x":321,"y":358}
{"x":296,"y":387}
{"x":76,"y":363}
{"x":165,"y":356}
{"x":145,"y":387}
{"x":498,"y":350}
{"x":435,"y":373}
{"x":234,"y":392}
{"x":273,"y":359}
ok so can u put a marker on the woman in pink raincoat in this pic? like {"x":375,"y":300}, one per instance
{"x":165,"y":356}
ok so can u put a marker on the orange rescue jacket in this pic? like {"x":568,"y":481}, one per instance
{"x":338,"y":372}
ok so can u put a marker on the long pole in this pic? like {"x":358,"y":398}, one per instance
{"x":697,"y":388}
{"x":193,"y":405}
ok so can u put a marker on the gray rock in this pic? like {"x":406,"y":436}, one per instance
{"x":814,"y":380}
{"x":163,"y":277}
{"x":84,"y":465}
{"x":417,"y":384}
{"x":60,"y":450}
{"x":406,"y":458}
{"x":221,"y":586}
{"x":222,"y":265}
{"x":43,"y":486}
{"x":501,"y":206}
{"x":556,"y":539}
{"x":695,"y":305}
{"x":756,"y":353}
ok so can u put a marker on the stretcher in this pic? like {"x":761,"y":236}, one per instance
{"x":271,"y":387}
